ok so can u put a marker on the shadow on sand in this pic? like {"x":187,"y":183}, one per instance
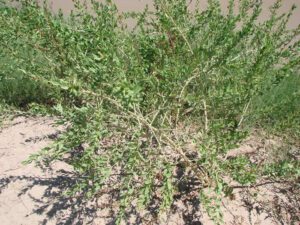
{"x":56,"y":206}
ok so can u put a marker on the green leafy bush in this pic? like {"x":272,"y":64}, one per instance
{"x":170,"y":97}
{"x":278,"y":107}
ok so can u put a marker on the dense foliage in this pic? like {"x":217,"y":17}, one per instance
{"x":162,"y":103}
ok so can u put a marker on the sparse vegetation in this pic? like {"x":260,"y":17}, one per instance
{"x":162,"y":104}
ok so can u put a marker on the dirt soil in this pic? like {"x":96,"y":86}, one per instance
{"x":30,"y":195}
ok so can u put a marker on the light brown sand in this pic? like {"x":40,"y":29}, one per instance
{"x":23,"y":189}
{"x":30,"y":196}
{"x":139,"y":5}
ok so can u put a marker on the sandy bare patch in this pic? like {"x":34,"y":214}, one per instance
{"x":29,"y":195}
{"x":26,"y":191}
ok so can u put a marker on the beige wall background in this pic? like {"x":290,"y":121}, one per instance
{"x":137,"y":5}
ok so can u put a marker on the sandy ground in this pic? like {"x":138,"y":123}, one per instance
{"x":29,"y":195}
{"x":23,"y":188}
